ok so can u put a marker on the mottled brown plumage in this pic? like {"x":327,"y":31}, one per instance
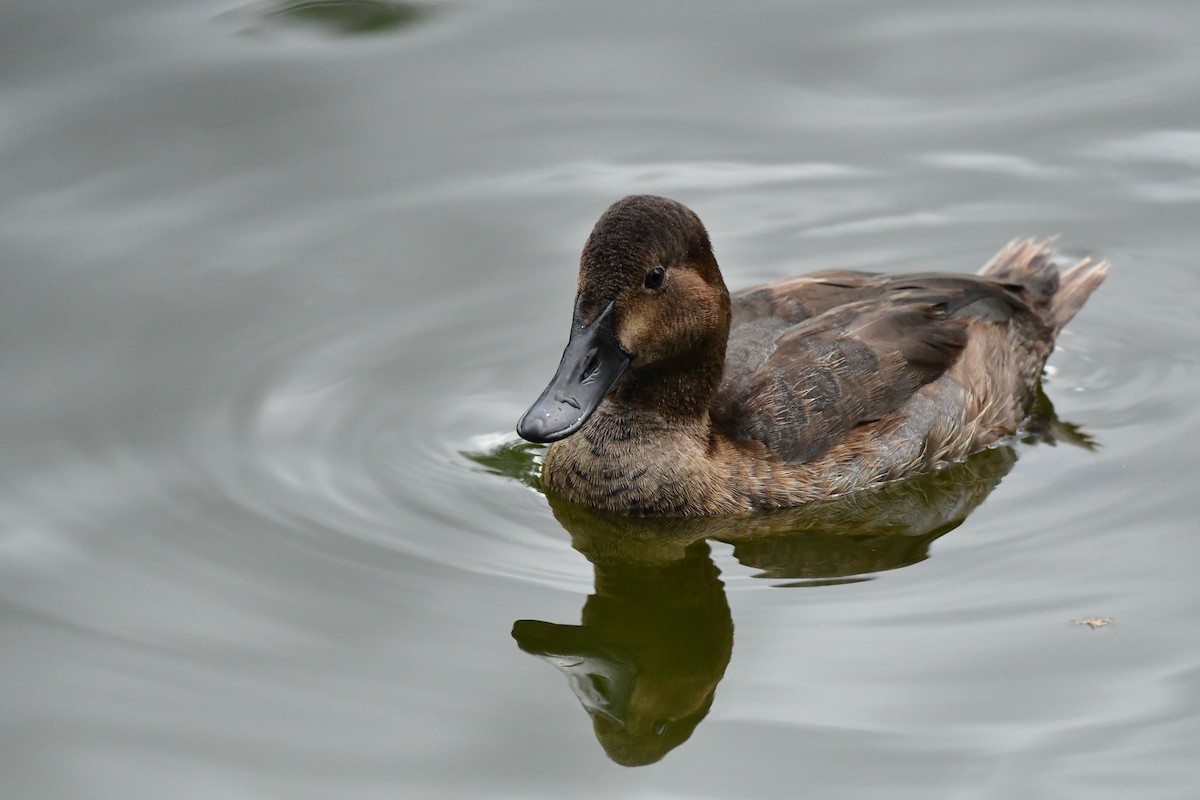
{"x":790,"y":392}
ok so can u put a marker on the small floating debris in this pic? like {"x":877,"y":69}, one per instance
{"x":1095,"y":622}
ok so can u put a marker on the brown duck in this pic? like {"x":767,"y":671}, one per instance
{"x":673,"y":398}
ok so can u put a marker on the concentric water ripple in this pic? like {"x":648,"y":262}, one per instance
{"x":273,"y":302}
{"x":323,"y":435}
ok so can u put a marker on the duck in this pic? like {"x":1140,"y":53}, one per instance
{"x":675,"y":398}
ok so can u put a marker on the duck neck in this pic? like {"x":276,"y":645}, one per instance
{"x":680,"y":390}
{"x":644,"y":451}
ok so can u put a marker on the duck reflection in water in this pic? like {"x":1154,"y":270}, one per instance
{"x":656,"y":634}
{"x":655,"y":640}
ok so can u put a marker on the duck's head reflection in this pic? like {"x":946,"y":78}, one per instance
{"x":655,"y":640}
{"x":657,"y":635}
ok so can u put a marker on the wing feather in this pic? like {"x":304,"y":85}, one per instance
{"x":813,"y":357}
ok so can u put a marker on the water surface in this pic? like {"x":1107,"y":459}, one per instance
{"x":278,"y":279}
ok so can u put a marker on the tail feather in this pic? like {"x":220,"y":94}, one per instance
{"x":1077,"y":284}
{"x":1056,"y":294}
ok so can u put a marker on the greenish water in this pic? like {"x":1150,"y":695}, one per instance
{"x":277,"y":280}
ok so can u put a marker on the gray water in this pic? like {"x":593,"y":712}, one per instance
{"x":277,"y":282}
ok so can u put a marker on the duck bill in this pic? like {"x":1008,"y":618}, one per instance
{"x":591,"y":364}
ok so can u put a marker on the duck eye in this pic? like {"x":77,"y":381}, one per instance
{"x":654,"y":278}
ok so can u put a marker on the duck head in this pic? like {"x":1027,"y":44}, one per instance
{"x":650,"y":324}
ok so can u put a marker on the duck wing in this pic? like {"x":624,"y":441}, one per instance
{"x":800,"y":298}
{"x":810,"y":358}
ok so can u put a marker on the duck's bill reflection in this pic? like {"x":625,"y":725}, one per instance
{"x":603,"y":682}
{"x":591,"y":364}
